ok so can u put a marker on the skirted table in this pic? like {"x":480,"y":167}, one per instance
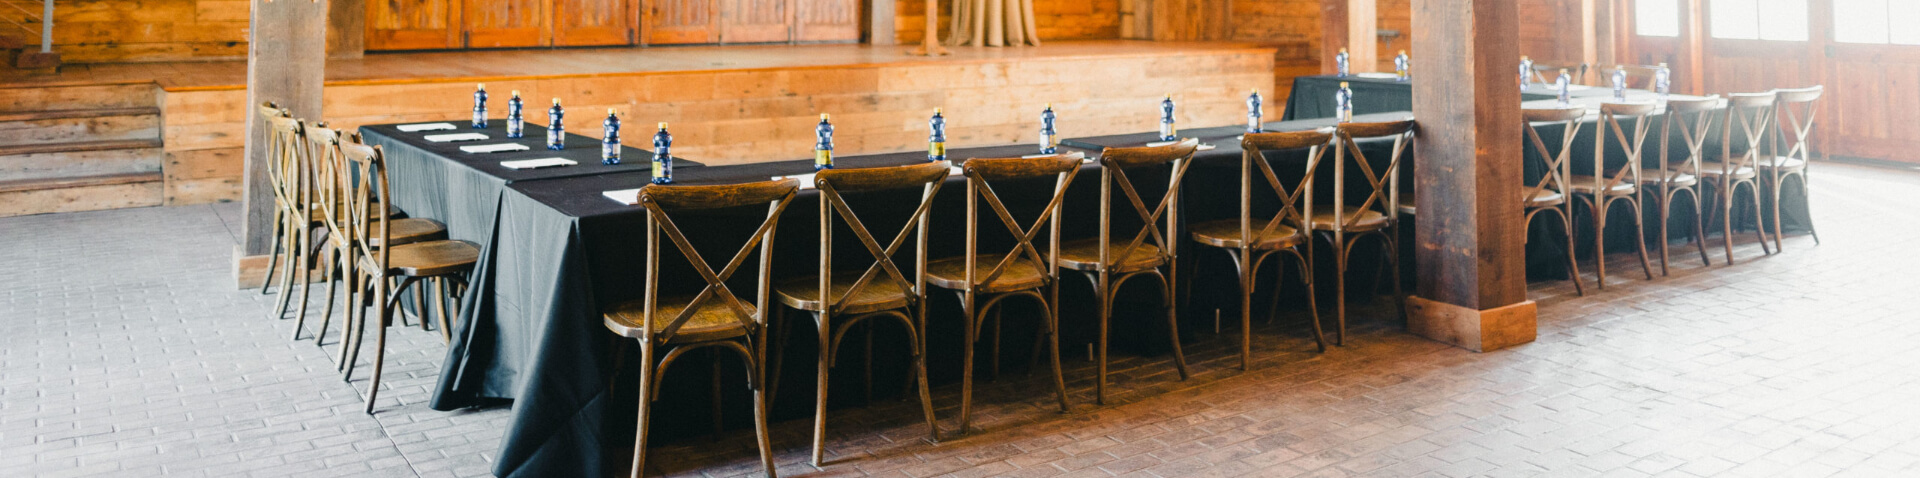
{"x":1312,"y":96}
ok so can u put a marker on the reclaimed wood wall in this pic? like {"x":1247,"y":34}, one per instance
{"x":104,"y":31}
{"x":1056,"y":19}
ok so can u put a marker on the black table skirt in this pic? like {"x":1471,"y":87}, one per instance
{"x":1312,"y":96}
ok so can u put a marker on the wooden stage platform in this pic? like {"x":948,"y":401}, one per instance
{"x":726,"y":104}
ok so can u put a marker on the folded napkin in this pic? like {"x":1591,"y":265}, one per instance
{"x":537,"y":163}
{"x":446,"y":138}
{"x":628,"y":197}
{"x":494,"y":148}
{"x":1201,"y":147}
{"x":806,"y":180}
{"x":1378,"y":76}
{"x":415,"y":128}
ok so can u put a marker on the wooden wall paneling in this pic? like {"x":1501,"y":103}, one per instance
{"x":1190,"y":20}
{"x":592,"y":22}
{"x":346,"y":28}
{"x":880,"y":29}
{"x":507,"y":23}
{"x":679,"y":22}
{"x":827,"y":20}
{"x":758,"y":21}
{"x":413,"y":24}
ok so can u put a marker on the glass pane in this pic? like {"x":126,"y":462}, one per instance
{"x":1784,"y":20}
{"x":1735,"y":19}
{"x":1902,"y":12}
{"x":1860,"y":21}
{"x":1657,"y":18}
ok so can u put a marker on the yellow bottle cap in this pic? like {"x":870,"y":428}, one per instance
{"x":516,"y":92}
{"x":556,"y":101}
{"x":483,"y":86}
{"x":663,"y":125}
{"x":823,"y":116}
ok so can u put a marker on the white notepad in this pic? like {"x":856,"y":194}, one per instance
{"x":628,"y":197}
{"x":1378,"y":75}
{"x":494,"y":148}
{"x":538,"y":163}
{"x":447,"y":138}
{"x":415,"y":128}
{"x":1201,"y":147}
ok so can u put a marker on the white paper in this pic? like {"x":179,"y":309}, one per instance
{"x":624,"y":196}
{"x":1577,"y":87}
{"x":1378,"y":75}
{"x":494,"y":148}
{"x":538,"y":163}
{"x":1157,"y":144}
{"x":415,"y":128}
{"x":444,"y":138}
{"x":806,"y":180}
{"x":956,"y":171}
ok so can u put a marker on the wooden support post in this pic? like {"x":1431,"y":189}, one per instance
{"x":286,"y":64}
{"x":1469,"y":237}
{"x":880,"y":22}
{"x":347,"y":28}
{"x":1353,"y":25}
{"x":1597,"y":39}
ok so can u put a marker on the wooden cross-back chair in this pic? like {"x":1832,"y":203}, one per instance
{"x":1549,"y":194}
{"x":1108,"y":264}
{"x":983,"y":281}
{"x":1344,"y":225}
{"x":287,"y":174}
{"x":1751,"y":114}
{"x":1638,"y":76}
{"x":277,"y":150}
{"x":879,"y":290}
{"x":1609,"y":184}
{"x":1794,"y":113}
{"x":1545,"y":73}
{"x":334,"y":182}
{"x":715,"y":317}
{"x":385,"y":272}
{"x":1249,"y":239}
{"x":1673,"y":175}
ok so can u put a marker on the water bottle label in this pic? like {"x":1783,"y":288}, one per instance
{"x":480,"y":118}
{"x":610,"y":153}
{"x":516,"y":128}
{"x":1167,"y":132}
{"x":936,"y":150}
{"x":1046,"y":143}
{"x":822,"y":158}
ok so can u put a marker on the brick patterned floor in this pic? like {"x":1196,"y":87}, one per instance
{"x":124,"y":351}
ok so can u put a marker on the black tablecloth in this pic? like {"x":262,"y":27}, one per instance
{"x":1312,"y":96}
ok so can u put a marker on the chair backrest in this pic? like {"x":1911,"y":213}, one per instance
{"x":1631,"y":144}
{"x":1558,"y":161}
{"x":1693,"y":117}
{"x":331,"y":179}
{"x":286,"y":154}
{"x":1114,"y":163}
{"x":832,"y":182}
{"x":1638,"y":76}
{"x":365,"y":215}
{"x":1795,"y":112}
{"x":1383,"y":184}
{"x":981,"y":173}
{"x":1544,"y":73}
{"x":1253,"y":148}
{"x":1751,"y":114}
{"x":663,"y":201}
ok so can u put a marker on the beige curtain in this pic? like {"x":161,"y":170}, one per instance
{"x":993,"y":23}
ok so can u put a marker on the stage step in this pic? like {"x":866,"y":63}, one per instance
{"x":70,"y":148}
{"x":35,"y":97}
{"x":67,"y":160}
{"x":69,"y":126}
{"x":89,"y":193}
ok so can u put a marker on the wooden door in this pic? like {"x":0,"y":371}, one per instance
{"x":1663,"y":31}
{"x":508,"y":23}
{"x":1871,"y":108}
{"x":592,"y":22}
{"x":673,"y":22}
{"x":758,"y":21}
{"x":413,"y":24}
{"x":827,"y":21}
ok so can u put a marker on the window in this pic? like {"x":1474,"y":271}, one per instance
{"x":1780,"y":20}
{"x":1872,"y":21}
{"x":1656,"y":18}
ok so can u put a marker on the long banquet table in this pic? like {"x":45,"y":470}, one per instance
{"x":555,"y":251}
{"x":1312,"y":96}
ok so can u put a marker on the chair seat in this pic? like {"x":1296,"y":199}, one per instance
{"x":1674,"y":178}
{"x":713,"y":321}
{"x":1783,"y":163}
{"x":425,"y":259}
{"x":408,"y":231}
{"x":880,"y":293}
{"x":319,"y":216}
{"x":1714,"y":170}
{"x":1546,"y":198}
{"x":1226,"y":233}
{"x":1021,"y":274}
{"x":1361,"y":219}
{"x":1588,"y":184}
{"x":1084,"y":255}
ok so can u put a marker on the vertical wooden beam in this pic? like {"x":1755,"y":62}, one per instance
{"x":347,"y":28}
{"x":1470,"y":243}
{"x":1597,"y":37}
{"x":1136,"y":19}
{"x":1350,"y":24}
{"x":880,"y":22}
{"x":286,"y":63}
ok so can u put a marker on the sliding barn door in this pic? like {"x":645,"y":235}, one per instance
{"x":413,"y":24}
{"x":507,"y":23}
{"x":756,"y":21}
{"x":670,"y":22}
{"x":828,"y":20}
{"x":592,"y":22}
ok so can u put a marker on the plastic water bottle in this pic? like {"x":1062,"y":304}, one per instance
{"x":1343,"y":103}
{"x":556,"y":133}
{"x":937,"y":141}
{"x":1167,"y":130}
{"x":662,"y":156}
{"x":1526,"y":72}
{"x":1619,"y":83}
{"x":610,"y":139}
{"x":516,"y":124}
{"x":1342,"y":63}
{"x":1663,"y":81}
{"x":1401,"y":64}
{"x":1255,"y":109}
{"x":480,"y":107}
{"x":1047,"y":132}
{"x":1562,"y":84}
{"x":823,"y":144}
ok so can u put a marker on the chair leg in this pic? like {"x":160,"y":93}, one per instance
{"x":1393,"y":255}
{"x":825,"y":361}
{"x":1759,"y":223}
{"x":273,"y":249}
{"x":305,"y":271}
{"x":285,"y":294}
{"x":920,"y":376}
{"x":1246,"y":306}
{"x":1340,"y":290}
{"x":646,"y":409}
{"x":1105,"y":310}
{"x":1599,"y":210}
{"x":1775,"y":187}
{"x":1052,"y":318}
{"x":1726,"y":219}
{"x":966,"y":361}
{"x":385,"y":314}
{"x":1573,"y":262}
{"x":993,"y":353}
{"x":760,"y":428}
{"x":1173,"y":330}
{"x":441,"y":308}
{"x":1666,"y":209}
{"x":1640,"y":236}
{"x":1699,"y":227}
{"x":349,"y":321}
{"x":1306,"y":278}
{"x":326,"y":311}
{"x":780,"y":333}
